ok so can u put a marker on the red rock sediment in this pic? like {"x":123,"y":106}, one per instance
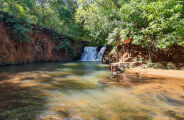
{"x":41,"y":48}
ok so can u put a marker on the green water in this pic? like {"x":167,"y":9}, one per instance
{"x":76,"y":91}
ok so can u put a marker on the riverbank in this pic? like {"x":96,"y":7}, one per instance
{"x":136,"y":59}
{"x":160,"y":72}
{"x":35,"y":45}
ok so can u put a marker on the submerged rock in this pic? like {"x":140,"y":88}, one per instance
{"x":116,"y":68}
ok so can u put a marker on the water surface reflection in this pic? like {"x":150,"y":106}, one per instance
{"x":84,"y":91}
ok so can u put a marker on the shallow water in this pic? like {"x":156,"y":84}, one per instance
{"x":84,"y":91}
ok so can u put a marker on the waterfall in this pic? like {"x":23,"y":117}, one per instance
{"x":92,"y":54}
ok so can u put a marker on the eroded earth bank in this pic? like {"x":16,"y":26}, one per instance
{"x":42,"y":47}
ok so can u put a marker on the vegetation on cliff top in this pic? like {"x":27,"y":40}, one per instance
{"x":55,"y":15}
{"x":148,"y":23}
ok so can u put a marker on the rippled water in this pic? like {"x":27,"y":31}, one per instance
{"x":85,"y":91}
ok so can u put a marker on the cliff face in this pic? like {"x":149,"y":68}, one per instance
{"x":133,"y":55}
{"x":40,"y":49}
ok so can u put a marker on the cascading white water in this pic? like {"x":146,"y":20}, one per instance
{"x":91,"y":54}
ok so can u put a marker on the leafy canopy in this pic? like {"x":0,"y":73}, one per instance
{"x":149,"y":23}
{"x":57,"y":15}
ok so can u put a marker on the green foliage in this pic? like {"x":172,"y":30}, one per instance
{"x":20,"y":27}
{"x":150,"y":23}
{"x":99,"y":17}
{"x":66,"y":45}
{"x":155,"y":23}
{"x":141,"y":59}
{"x":150,"y":63}
{"x":57,"y":15}
{"x":63,"y":45}
{"x":170,"y":65}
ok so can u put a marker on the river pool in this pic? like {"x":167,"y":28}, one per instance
{"x":85,"y":91}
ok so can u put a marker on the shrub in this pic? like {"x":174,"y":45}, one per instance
{"x":20,"y":27}
{"x":153,"y":23}
{"x":157,"y":24}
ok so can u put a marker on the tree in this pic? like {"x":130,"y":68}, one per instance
{"x":149,"y":23}
{"x":57,"y":15}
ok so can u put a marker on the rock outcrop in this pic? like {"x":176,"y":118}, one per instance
{"x":132,"y":55}
{"x":41,"y":48}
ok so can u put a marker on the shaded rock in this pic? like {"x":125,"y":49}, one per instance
{"x":116,"y":68}
{"x":174,"y":102}
{"x":175,"y":115}
{"x":134,"y":55}
{"x":171,"y":65}
{"x":182,"y":87}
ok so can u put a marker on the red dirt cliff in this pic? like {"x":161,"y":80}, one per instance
{"x":40,"y":49}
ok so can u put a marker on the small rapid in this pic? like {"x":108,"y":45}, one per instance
{"x":92,"y":54}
